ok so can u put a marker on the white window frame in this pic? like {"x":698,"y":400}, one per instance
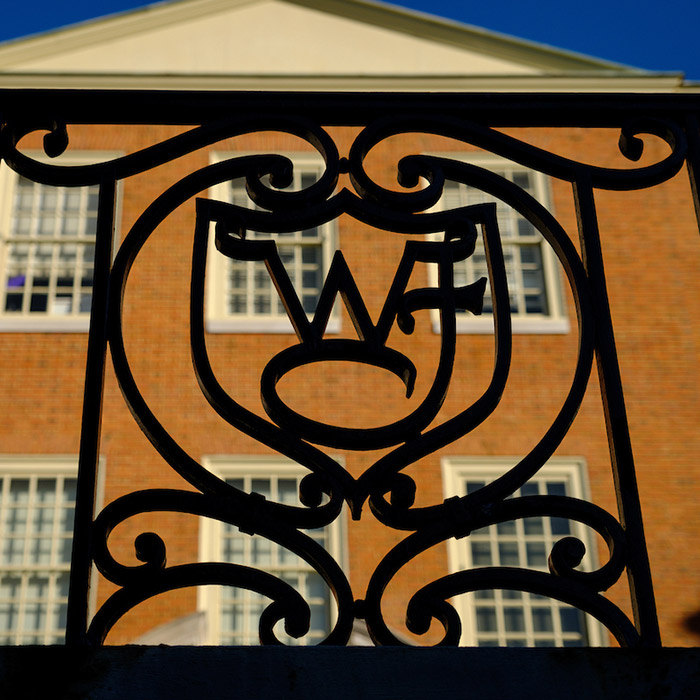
{"x":42,"y":322}
{"x":233,"y":467}
{"x":572,"y":470}
{"x":556,"y":320}
{"x":34,"y":468}
{"x":217,"y":319}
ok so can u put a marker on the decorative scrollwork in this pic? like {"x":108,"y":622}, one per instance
{"x":432,"y":236}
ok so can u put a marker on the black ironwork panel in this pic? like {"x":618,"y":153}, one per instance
{"x":437,"y":237}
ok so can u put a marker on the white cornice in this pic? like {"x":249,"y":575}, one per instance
{"x":648,"y":83}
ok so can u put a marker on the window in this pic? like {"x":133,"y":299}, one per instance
{"x":533,"y":278}
{"x":233,"y":614}
{"x":37,"y":504}
{"x":242,"y":296}
{"x":515,"y":618}
{"x":47,"y":238}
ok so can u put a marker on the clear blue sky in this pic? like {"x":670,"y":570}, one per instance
{"x":659,"y":36}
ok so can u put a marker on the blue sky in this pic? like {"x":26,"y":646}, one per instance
{"x":652,"y":35}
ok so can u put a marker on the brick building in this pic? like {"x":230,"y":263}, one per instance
{"x":650,"y":247}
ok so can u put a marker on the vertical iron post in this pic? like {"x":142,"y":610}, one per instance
{"x":692,"y":130}
{"x":82,"y":554}
{"x":622,"y":459}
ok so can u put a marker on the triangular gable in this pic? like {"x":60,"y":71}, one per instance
{"x":286,"y":37}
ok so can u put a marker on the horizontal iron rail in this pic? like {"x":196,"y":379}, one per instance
{"x":336,"y":108}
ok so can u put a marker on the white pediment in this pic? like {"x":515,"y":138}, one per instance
{"x":283,"y":38}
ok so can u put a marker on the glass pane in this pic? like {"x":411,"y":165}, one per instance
{"x":556,"y":488}
{"x":506,"y":528}
{"x":40,"y":550}
{"x":536,"y":555}
{"x":486,"y":619}
{"x":508,"y":554}
{"x":514,"y":619}
{"x":64,"y":550}
{"x":533,"y":526}
{"x":19,"y":491}
{"x":58,"y":618}
{"x":9,"y":613}
{"x":319,"y":618}
{"x":70,"y":487}
{"x":530,"y":489}
{"x":38,"y":302}
{"x":571,"y":619}
{"x":560,"y":526}
{"x":309,"y":303}
{"x":9,"y":587}
{"x":66,"y":519}
{"x":46,"y":490}
{"x":481,"y":554}
{"x":12,"y":551}
{"x":62,"y":583}
{"x":37,"y":587}
{"x":542,"y":620}
{"x":260,"y":551}
{"x":261,"y":486}
{"x":34,"y":617}
{"x":16,"y":520}
{"x":287,"y":491}
{"x":42,"y":520}
{"x":13,"y":302}
{"x":311,"y":254}
{"x":72,"y":200}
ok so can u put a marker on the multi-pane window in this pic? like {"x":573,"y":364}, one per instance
{"x":48,"y":251}
{"x":36,"y":529}
{"x":531,"y":270}
{"x":234,"y":613}
{"x":242,"y":291}
{"x":515,"y":618}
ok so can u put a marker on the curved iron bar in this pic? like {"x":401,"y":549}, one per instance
{"x":459,"y":520}
{"x":252,"y":514}
{"x":498,"y":143}
{"x":56,"y":142}
{"x":431,"y":601}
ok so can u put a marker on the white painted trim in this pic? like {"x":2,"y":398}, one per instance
{"x":520,"y":326}
{"x":49,"y":324}
{"x":273,"y":326}
{"x":561,"y":83}
{"x":47,"y":465}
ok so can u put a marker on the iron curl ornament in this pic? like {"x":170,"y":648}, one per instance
{"x":436,"y":237}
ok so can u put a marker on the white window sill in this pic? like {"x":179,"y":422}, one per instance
{"x":520,"y":326}
{"x":280,"y":326}
{"x":45,"y":324}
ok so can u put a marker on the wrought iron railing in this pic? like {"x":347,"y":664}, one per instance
{"x":473,"y":120}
